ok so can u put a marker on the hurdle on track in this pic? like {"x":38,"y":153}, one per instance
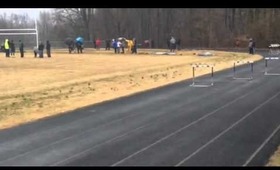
{"x":251,"y":64}
{"x":195,"y":84}
{"x":266,"y":66}
{"x":274,"y":49}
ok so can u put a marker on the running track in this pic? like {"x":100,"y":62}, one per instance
{"x":233,"y":123}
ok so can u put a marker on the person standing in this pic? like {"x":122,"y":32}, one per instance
{"x":35,"y":50}
{"x":254,"y":47}
{"x":94,"y":43}
{"x":172,"y":44}
{"x":108,"y":44}
{"x":21,"y":49}
{"x":118,"y":46}
{"x":178,"y":44}
{"x":251,"y":46}
{"x":134,"y":48}
{"x":48,"y":48}
{"x":98,"y":44}
{"x":115,"y":45}
{"x":41,"y":50}
{"x":79,"y":47}
{"x":7,"y":48}
{"x":12,"y":46}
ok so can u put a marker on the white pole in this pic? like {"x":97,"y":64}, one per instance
{"x":37,"y":43}
{"x":18,"y":29}
{"x":18,"y":33}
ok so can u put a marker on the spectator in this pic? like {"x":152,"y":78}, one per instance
{"x":129,"y":45}
{"x":122,"y":45}
{"x":41,"y":50}
{"x":94,"y":43}
{"x":21,"y":49}
{"x":48,"y":48}
{"x":35,"y":50}
{"x":115,"y":45}
{"x":71,"y":46}
{"x":98,"y":43}
{"x":12,"y":46}
{"x":152,"y":44}
{"x":172,"y":44}
{"x":134,"y":47}
{"x":254,"y":47}
{"x":119,"y":44}
{"x":178,"y":44}
{"x":107,"y":44}
{"x":79,"y":47}
{"x":7,"y":48}
{"x":251,"y":46}
{"x":168,"y":43}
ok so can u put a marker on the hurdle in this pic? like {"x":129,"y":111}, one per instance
{"x":274,"y":49}
{"x":266,"y":66}
{"x":194,"y":66}
{"x":243,"y":62}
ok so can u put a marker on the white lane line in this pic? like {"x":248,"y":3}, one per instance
{"x":179,"y":130}
{"x":262,"y":145}
{"x":226,"y":130}
{"x":95,"y":146}
{"x":67,"y":138}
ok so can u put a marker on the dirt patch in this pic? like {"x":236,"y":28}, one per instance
{"x":33,"y":88}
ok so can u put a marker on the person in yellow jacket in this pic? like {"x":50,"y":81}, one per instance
{"x":7,"y":48}
{"x":129,"y":45}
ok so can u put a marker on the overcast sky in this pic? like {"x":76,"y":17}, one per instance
{"x":32,"y":12}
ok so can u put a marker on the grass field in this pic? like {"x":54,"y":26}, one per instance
{"x":33,"y":88}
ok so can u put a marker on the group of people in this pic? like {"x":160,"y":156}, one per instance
{"x":121,"y":43}
{"x":9,"y":48}
{"x":75,"y":46}
{"x":40,"y":49}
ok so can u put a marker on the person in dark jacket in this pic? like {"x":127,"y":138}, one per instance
{"x":178,"y":44}
{"x":134,"y":47}
{"x":79,"y":47}
{"x":21,"y":48}
{"x":35,"y":50}
{"x":108,"y":44}
{"x":48,"y":48}
{"x":41,"y":50}
{"x":12,"y":46}
{"x":252,"y":46}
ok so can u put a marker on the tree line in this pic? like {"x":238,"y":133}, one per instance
{"x":208,"y":28}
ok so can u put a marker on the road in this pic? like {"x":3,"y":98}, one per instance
{"x":233,"y":123}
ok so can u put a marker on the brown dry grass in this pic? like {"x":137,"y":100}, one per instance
{"x":35,"y":88}
{"x":275,"y":159}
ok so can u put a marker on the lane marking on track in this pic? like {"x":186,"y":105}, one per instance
{"x":72,"y":136}
{"x":226,"y":130}
{"x":95,"y":146}
{"x":181,"y":129}
{"x":261,"y":146}
{"x":67,"y":138}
